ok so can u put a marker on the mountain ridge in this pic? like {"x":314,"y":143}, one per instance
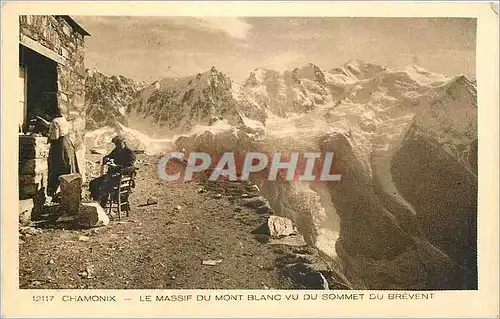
{"x":405,"y":143}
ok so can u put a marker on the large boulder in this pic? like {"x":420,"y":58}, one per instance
{"x":277,"y":227}
{"x":71,"y":193}
{"x":306,"y":276}
{"x":292,"y":240}
{"x":92,"y":215}
{"x":25,"y":208}
{"x":255,"y":202}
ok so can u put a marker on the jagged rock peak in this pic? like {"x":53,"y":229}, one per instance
{"x":310,"y":71}
{"x":362,"y":69}
{"x":108,"y":98}
{"x":214,"y":72}
{"x":459,"y":84}
{"x":463,"y":80}
{"x":92,"y":71}
{"x":257,"y":76}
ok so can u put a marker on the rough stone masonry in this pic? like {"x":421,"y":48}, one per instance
{"x":65,"y":39}
{"x":60,"y":39}
{"x":33,"y":171}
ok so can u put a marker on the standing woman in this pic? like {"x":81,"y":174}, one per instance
{"x":62,"y":155}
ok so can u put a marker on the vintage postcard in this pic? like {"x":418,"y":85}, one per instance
{"x":249,"y":159}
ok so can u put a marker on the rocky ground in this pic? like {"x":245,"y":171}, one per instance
{"x":195,"y":235}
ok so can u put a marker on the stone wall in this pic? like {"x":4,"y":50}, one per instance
{"x":57,"y":35}
{"x":33,"y":170}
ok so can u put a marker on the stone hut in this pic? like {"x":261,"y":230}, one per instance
{"x":51,"y":70}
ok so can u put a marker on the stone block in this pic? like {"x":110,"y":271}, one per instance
{"x":28,"y":190}
{"x":40,"y":178}
{"x":53,"y":211}
{"x":71,"y":46}
{"x":25,"y":209}
{"x":277,"y":227}
{"x":76,"y":116}
{"x":80,"y":69}
{"x":71,"y":193}
{"x":306,"y":276}
{"x":80,"y":42}
{"x":43,"y":22}
{"x":62,"y":97}
{"x":66,"y":29}
{"x":33,"y":147}
{"x":254,"y":202}
{"x":31,"y":140}
{"x":292,"y":240}
{"x":74,"y":76}
{"x":64,"y":106}
{"x":92,"y":215}
{"x":34,"y":166}
{"x":63,"y":74}
{"x":65,"y":52}
{"x":79,"y":101}
{"x":265,"y":209}
{"x":34,"y":152}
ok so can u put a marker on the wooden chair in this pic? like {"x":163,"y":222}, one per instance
{"x":118,"y":195}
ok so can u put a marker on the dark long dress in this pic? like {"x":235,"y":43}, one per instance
{"x":62,"y":160}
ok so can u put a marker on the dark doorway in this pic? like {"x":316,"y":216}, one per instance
{"x":41,"y":84}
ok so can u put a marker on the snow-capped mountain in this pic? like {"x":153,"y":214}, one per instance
{"x":369,"y":93}
{"x":178,"y":104}
{"x":299,"y":90}
{"x":405,"y":143}
{"x":107,"y":98}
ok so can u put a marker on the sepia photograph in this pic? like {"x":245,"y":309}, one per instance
{"x":319,"y":153}
{"x":249,"y":159}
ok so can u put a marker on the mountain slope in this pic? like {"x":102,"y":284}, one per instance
{"x":403,"y":215}
{"x":299,"y":90}
{"x":178,"y":104}
{"x":107,"y":98}
{"x":404,"y":140}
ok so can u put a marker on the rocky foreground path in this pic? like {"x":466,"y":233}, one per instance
{"x":194,"y":237}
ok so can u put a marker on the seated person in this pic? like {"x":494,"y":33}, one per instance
{"x":120,"y":157}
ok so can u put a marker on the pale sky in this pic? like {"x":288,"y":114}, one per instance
{"x":151,"y":48}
